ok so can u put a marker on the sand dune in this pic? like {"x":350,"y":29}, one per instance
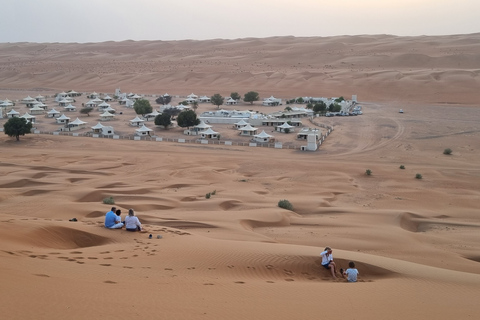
{"x":237,"y":255}
{"x":432,"y":69}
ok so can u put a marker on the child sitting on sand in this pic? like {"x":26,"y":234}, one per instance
{"x":351,"y":272}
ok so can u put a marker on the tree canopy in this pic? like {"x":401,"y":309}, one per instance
{"x":86,"y":111}
{"x":163,"y":100}
{"x":251,"y":96}
{"x":235,"y":96}
{"x":187,"y":118}
{"x":217,"y":99}
{"x":16,"y":127}
{"x":142,"y":107}
{"x":164,"y":120}
{"x":320,"y":107}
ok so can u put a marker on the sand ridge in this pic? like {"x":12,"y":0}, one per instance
{"x":237,"y":254}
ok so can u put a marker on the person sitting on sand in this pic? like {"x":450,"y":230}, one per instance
{"x":327,"y":261}
{"x":118,"y":219}
{"x":131,"y":222}
{"x":111,"y":220}
{"x":351,"y":272}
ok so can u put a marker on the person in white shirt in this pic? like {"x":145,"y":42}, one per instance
{"x":131,"y":222}
{"x":351,"y":272}
{"x":327,"y":261}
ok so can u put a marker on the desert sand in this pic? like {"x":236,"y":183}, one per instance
{"x":237,"y":255}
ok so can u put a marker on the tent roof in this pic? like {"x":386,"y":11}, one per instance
{"x":285,"y":126}
{"x":209,"y":131}
{"x":13,"y":111}
{"x":77,"y":122}
{"x":263,"y":134}
{"x":63,"y":117}
{"x":107,"y":114}
{"x":98,"y":126}
{"x":241,"y":123}
{"x":53,"y":111}
{"x":202,"y":125}
{"x":248,"y":127}
{"x":143,"y":129}
{"x":137,"y":119}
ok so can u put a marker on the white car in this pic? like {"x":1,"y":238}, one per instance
{"x":401,"y":111}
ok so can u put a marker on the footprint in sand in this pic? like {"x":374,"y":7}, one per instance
{"x":105,"y":264}
{"x":80,"y":262}
{"x":269,"y":266}
{"x":109,"y":282}
{"x":168,"y":269}
{"x":240,"y":282}
{"x":268,"y":281}
{"x":231,"y":266}
{"x":126,"y":267}
{"x":92,"y":258}
{"x":76,"y":252}
{"x":104,"y":252}
{"x":208,"y":284}
{"x":42,"y":275}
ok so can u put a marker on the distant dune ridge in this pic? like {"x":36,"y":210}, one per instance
{"x":375,"y":67}
{"x":236,"y":254}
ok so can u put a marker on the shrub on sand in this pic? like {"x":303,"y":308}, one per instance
{"x":447,"y":151}
{"x":109,"y":200}
{"x":285,"y":204}
{"x":418,"y":176}
{"x":368,"y":172}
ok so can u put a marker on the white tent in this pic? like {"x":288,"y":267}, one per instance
{"x":28,"y":100}
{"x":248,"y":130}
{"x":107,"y":98}
{"x":263,"y":137}
{"x":97,"y":128}
{"x":63,"y":119}
{"x":70,"y":107}
{"x":36,"y":110}
{"x":136,"y":122}
{"x":52,"y":113}
{"x":28,"y":117}
{"x":13,"y":114}
{"x":103,"y":105}
{"x":209,"y":134}
{"x":231,"y":101}
{"x":63,"y":102}
{"x":285,"y":127}
{"x":76,"y":124}
{"x":240,"y":124}
{"x":106,"y":116}
{"x":40,"y":98}
{"x":192,"y":96}
{"x":143,"y":131}
{"x":201,"y":126}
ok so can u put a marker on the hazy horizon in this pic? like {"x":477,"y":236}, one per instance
{"x":108,"y":20}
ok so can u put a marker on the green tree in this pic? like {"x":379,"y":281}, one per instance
{"x":320,"y":107}
{"x":340,"y":99}
{"x":337,"y":107}
{"x":288,"y":109}
{"x":164,"y":120}
{"x":16,"y":127}
{"x":187,"y":118}
{"x":86,"y":111}
{"x":217,"y":100}
{"x":235,"y":96}
{"x":165,"y":99}
{"x":142,"y":106}
{"x":251,"y":96}
{"x":299,"y":100}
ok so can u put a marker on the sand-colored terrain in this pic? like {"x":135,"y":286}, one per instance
{"x":237,"y":255}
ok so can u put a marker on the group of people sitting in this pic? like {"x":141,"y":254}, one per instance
{"x":327,"y":262}
{"x":113,"y":220}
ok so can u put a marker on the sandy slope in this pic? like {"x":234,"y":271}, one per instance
{"x":237,"y":255}
{"x":375,"y":67}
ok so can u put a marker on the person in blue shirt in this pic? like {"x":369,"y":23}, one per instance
{"x":111,"y":220}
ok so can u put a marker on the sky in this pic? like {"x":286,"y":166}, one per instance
{"x":117,"y":20}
